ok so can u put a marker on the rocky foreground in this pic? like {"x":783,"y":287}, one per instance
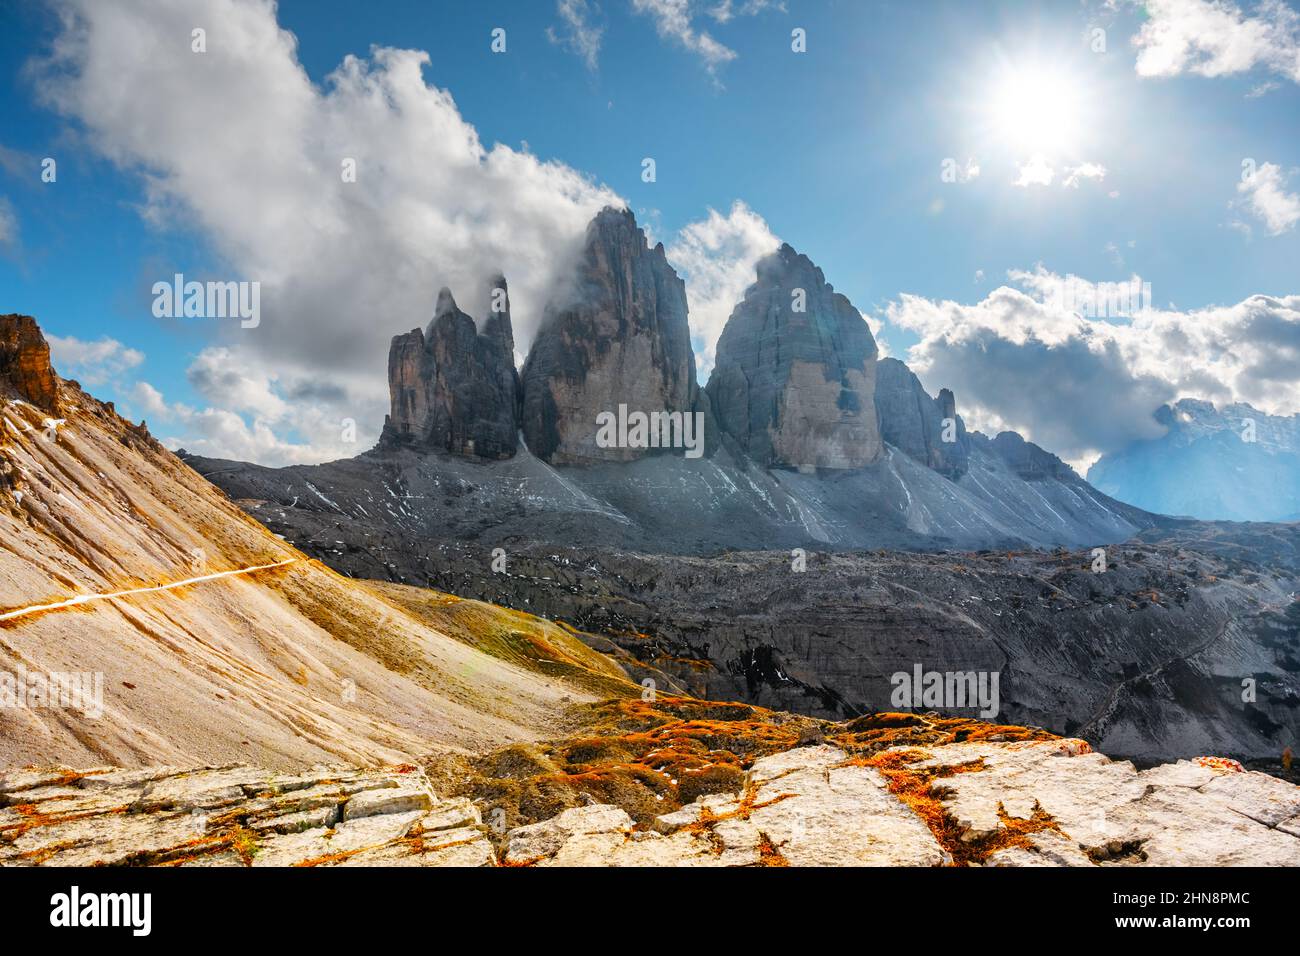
{"x":1040,"y":802}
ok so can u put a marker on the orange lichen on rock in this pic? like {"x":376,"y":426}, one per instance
{"x":1220,"y":764}
{"x":768,"y":853}
{"x":649,"y":757}
{"x":914,"y":786}
{"x":882,"y":731}
{"x":652,"y":757}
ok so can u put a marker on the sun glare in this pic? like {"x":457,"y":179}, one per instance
{"x":1036,"y":109}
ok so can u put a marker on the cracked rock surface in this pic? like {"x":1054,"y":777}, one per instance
{"x":234,"y":816}
{"x":1021,"y":803}
{"x":816,"y":806}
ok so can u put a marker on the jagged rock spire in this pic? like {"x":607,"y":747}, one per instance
{"x":619,"y":336}
{"x":451,"y":388}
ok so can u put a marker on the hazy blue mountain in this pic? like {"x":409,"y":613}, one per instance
{"x":1235,"y":463}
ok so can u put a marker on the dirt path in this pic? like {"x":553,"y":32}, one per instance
{"x":87,"y":598}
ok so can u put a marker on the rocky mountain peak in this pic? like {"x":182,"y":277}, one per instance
{"x":498,"y":327}
{"x":446,"y":305}
{"x":795,"y":376}
{"x":927,"y":429}
{"x":452,"y":388}
{"x":25,"y":361}
{"x":616,"y":338}
{"x":1031,"y":462}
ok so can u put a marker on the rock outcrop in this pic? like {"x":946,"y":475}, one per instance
{"x":617,"y":336}
{"x":1031,"y":462}
{"x":795,"y":377}
{"x":986,"y":803}
{"x":235,"y":815}
{"x":25,"y":361}
{"x":1026,"y":803}
{"x":453,"y":388}
{"x":928,"y":429}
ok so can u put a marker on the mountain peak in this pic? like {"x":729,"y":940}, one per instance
{"x":451,"y":388}
{"x":25,"y":361}
{"x":620,"y":338}
{"x":446,"y":304}
{"x":795,"y":376}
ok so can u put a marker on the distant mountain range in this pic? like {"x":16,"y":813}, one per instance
{"x":809,"y":439}
{"x":1233,"y":463}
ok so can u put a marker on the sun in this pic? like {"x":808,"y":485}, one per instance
{"x":1037,"y":109}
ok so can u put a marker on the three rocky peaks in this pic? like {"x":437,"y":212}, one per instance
{"x":798,"y":382}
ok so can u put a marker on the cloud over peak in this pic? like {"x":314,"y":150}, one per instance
{"x":344,"y":262}
{"x":1088,"y":385}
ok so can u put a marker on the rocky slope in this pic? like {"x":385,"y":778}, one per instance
{"x":795,"y":379}
{"x":224,"y":642}
{"x":616,"y":335}
{"x":387,"y":509}
{"x":1151,"y":659}
{"x":1233,"y":463}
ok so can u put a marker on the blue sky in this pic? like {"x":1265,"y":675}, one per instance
{"x":838,"y":150}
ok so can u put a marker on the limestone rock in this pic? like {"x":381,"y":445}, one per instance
{"x":453,"y":388}
{"x":1005,"y":803}
{"x":544,"y":839}
{"x":795,"y":377}
{"x":616,"y":335}
{"x":25,"y":361}
{"x":1167,"y":816}
{"x":235,"y":816}
{"x":804,"y":807}
{"x":368,"y":803}
{"x":917,"y":424}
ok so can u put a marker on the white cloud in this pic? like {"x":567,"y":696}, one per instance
{"x":219,"y":376}
{"x":149,"y":400}
{"x":221,"y":433}
{"x":579,"y":32}
{"x":1217,"y":38}
{"x":716,"y":256}
{"x":1036,"y":172}
{"x":1264,"y":195}
{"x":1077,"y":174}
{"x":726,"y":10}
{"x":91,"y":363}
{"x":1082,"y":386}
{"x":240,"y":148}
{"x":675,"y":20}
